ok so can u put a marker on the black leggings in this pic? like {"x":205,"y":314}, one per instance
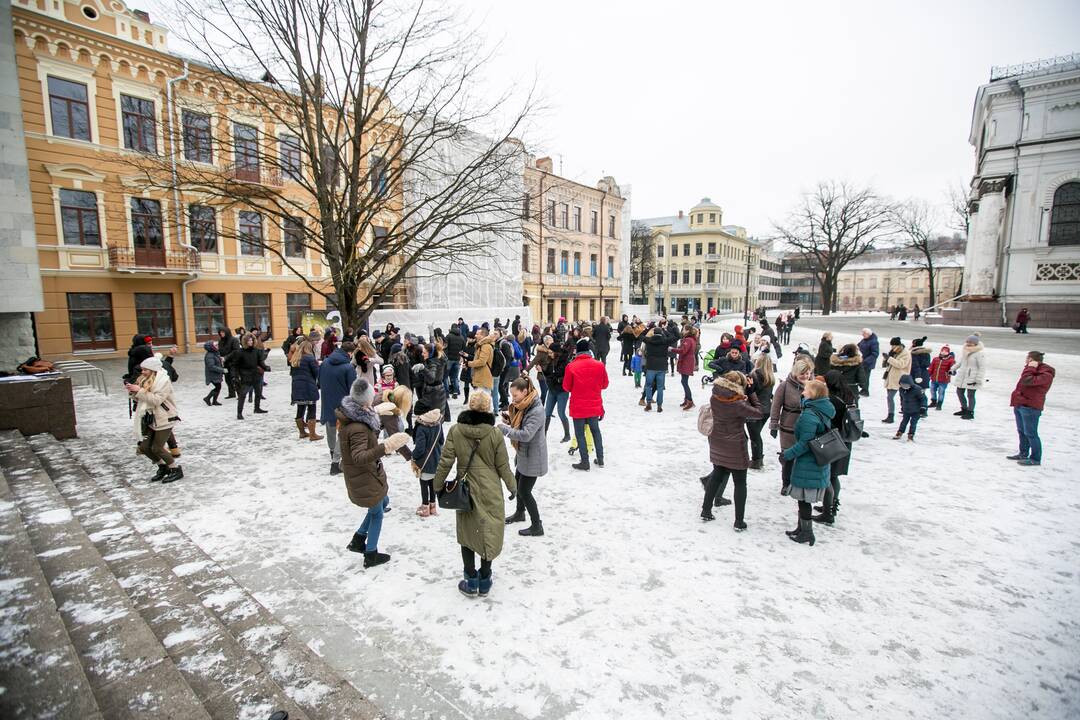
{"x":301,"y":410}
{"x":805,"y":509}
{"x":525,"y":500}
{"x":468,"y":557}
{"x":754,"y":428}
{"x":785,"y":472}
{"x":717,"y":480}
{"x":215,"y":390}
{"x":427,"y":492}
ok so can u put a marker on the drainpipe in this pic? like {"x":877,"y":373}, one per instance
{"x":543,"y":258}
{"x":177,"y":208}
{"x":1003,"y":277}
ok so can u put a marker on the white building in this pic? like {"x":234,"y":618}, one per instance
{"x":1023,"y":245}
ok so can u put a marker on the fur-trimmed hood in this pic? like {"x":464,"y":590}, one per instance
{"x":920,"y":350}
{"x":837,"y":361}
{"x":474,"y":417}
{"x":727,"y":390}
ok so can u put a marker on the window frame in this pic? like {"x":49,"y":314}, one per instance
{"x":564,"y":262}
{"x":154,"y":314}
{"x":594,"y":264}
{"x":68,"y":102}
{"x":108,"y":344}
{"x":551,"y":265}
{"x":577,"y":218}
{"x":577,"y":263}
{"x":1066,"y":206}
{"x":80,"y":212}
{"x":201,"y":139}
{"x":244,"y":223}
{"x":142,"y":121}
{"x":199,"y":243}
{"x":292,"y":307}
{"x":207,"y":312}
{"x":246,"y":160}
{"x":290,"y":159}
{"x":610,"y":266}
{"x":611,"y":226}
{"x":288,"y":234}
{"x":148,"y":218}
{"x":257,"y":308}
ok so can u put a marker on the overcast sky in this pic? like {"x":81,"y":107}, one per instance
{"x":751,"y":103}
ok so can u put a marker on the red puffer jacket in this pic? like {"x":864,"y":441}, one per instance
{"x":1031,"y":388}
{"x":940,"y":367}
{"x":585,"y":378}
{"x":687,"y":351}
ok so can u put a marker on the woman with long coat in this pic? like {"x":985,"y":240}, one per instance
{"x":732,"y":407}
{"x":824,"y":353}
{"x":970,"y":375}
{"x":808,"y":479}
{"x":523,"y":424}
{"x":361,"y":462}
{"x":480,"y":453}
{"x":304,"y":371}
{"x":687,"y":354}
{"x":786,"y":407}
{"x":155,"y":415}
{"x":842,"y":397}
{"x":849,"y":363}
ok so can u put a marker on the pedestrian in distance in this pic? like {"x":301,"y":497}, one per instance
{"x":586,"y":379}
{"x":1028,"y":400}
{"x":304,"y":373}
{"x":897,"y":363}
{"x":824,"y":353}
{"x":870,"y":351}
{"x":479,"y":451}
{"x":428,"y":440}
{"x":687,"y":350}
{"x":1022,"y":319}
{"x":250,"y":364}
{"x":213,"y":372}
{"x":920,"y":367}
{"x":336,"y":378}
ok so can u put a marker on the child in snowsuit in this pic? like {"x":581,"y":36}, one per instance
{"x":635,"y":367}
{"x":940,"y":368}
{"x":920,"y":367}
{"x":912,"y":399}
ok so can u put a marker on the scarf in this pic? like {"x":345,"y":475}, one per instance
{"x":518,"y":409}
{"x":154,"y":385}
{"x":362,"y":414}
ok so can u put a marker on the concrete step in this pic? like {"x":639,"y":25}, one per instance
{"x":40,"y":672}
{"x":307,"y":679}
{"x":124,"y":663}
{"x":228,"y":681}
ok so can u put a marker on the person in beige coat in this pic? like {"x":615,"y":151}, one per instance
{"x":481,"y":364}
{"x":155,"y":415}
{"x":898,"y":364}
{"x":970,"y":375}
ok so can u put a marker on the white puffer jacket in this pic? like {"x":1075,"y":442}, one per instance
{"x":971,"y":371}
{"x":158,"y":401}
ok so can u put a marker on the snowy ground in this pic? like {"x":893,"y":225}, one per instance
{"x":949,"y":586}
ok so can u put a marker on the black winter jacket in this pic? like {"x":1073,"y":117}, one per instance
{"x":656,"y":350}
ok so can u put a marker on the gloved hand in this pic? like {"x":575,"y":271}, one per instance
{"x":385,"y":408}
{"x":395,"y":442}
{"x":774,"y":432}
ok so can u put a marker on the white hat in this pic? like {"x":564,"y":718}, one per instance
{"x":151,"y":363}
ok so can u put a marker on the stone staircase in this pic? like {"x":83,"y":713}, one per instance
{"x":114,"y":613}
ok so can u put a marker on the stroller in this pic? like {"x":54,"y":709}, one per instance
{"x":708,"y":375}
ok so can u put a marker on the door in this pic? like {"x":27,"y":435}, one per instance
{"x":146,"y":232}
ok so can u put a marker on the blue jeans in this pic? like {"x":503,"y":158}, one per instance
{"x":937,"y":392}
{"x":598,"y":441}
{"x":1027,"y":427}
{"x":372,"y":524}
{"x":453,"y":371}
{"x":495,"y":397}
{"x":654,"y":380}
{"x":556,"y":398}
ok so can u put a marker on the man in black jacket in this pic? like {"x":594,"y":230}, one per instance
{"x":602,"y":338}
{"x":141,"y":349}
{"x":657,"y":343}
{"x":228,"y":347}
{"x":455,"y":345}
{"x":249,"y":363}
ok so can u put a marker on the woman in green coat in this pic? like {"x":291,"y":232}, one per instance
{"x":808,"y":479}
{"x":480,"y":530}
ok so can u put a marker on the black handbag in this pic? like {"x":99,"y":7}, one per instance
{"x":853,"y":424}
{"x":829,"y":446}
{"x":455,"y":494}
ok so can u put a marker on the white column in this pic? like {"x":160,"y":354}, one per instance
{"x":981,"y":258}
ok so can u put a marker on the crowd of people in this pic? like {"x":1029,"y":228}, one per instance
{"x":389,"y":392}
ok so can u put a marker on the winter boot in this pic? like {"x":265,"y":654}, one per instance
{"x":641,"y":402}
{"x":547,"y":424}
{"x":910,"y":438}
{"x":969,"y":415}
{"x":739,"y":526}
{"x":1017,"y":456}
{"x":206,"y":400}
{"x":599,"y":462}
{"x":897,"y":436}
{"x":312,"y":435}
{"x":659,"y":408}
{"x":960,"y":413}
{"x":824,"y":517}
{"x":888,"y":419}
{"x":757,"y":464}
{"x":470,"y":586}
{"x":648,"y":407}
{"x":162,"y":471}
{"x":358,"y":544}
{"x":335,"y":468}
{"x":534,"y":530}
{"x":688,"y":406}
{"x":484,"y":587}
{"x":373,"y":559}
{"x":515,"y":518}
{"x":565,"y":431}
{"x":301,"y":428}
{"x":581,"y":466}
{"x":805,"y":533}
{"x":175,"y":473}
{"x":931,"y":404}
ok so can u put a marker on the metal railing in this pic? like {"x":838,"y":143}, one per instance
{"x":943,"y":302}
{"x":257,"y":175}
{"x":1000,"y":72}
{"x":125,"y":258}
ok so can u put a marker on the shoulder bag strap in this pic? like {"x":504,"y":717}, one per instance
{"x":476,"y":446}
{"x":432,"y":449}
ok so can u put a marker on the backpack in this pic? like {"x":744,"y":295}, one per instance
{"x":704,"y":420}
{"x":852,"y":427}
{"x":498,"y":361}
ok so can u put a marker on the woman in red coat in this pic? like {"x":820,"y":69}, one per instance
{"x":585,"y":379}
{"x":687,"y":351}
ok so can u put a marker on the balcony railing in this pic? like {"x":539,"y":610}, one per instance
{"x":712,"y":257}
{"x":125,"y":258}
{"x":257,"y":174}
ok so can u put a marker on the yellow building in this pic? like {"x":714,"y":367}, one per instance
{"x":702,"y":263}
{"x":95,"y":81}
{"x":882,"y":279}
{"x":570,"y":258}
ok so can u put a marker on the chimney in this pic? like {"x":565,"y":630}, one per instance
{"x":545,"y":164}
{"x":680,"y":214}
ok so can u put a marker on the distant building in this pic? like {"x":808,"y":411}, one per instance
{"x":702,"y":263}
{"x":1024,"y":236}
{"x":572,"y":246}
{"x":883,"y":278}
{"x":770,"y":275}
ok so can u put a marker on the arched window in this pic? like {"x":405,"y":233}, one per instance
{"x":1065,"y":215}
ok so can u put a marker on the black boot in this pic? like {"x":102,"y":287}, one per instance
{"x":357,"y":544}
{"x":175,"y":473}
{"x":825,"y":517}
{"x":515,"y":518}
{"x":534,"y":530}
{"x":805,"y":533}
{"x":206,"y":399}
{"x":888,"y":419}
{"x":335,"y":468}
{"x":371,"y":559}
{"x":581,"y":465}
{"x":547,"y":424}
{"x":565,"y":430}
{"x":162,"y":471}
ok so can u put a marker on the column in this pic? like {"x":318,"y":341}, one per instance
{"x":984,"y":238}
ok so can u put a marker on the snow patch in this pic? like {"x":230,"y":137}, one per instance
{"x":185,"y":635}
{"x":58,"y":551}
{"x":190,"y":568}
{"x":112,"y":532}
{"x":53,"y":517}
{"x":123,"y":555}
{"x":90,"y":614}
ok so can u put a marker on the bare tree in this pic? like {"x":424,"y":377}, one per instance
{"x":384,"y":155}
{"x":642,"y":257}
{"x":959,"y":213}
{"x":832,"y":226}
{"x":916,"y":224}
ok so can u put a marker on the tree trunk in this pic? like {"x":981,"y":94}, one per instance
{"x":933,"y":288}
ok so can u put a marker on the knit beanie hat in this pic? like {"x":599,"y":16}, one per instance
{"x":918,"y":342}
{"x":583,"y":345}
{"x":362,"y":392}
{"x":395,"y":348}
{"x":972,"y":339}
{"x":151,"y":363}
{"x":388,"y":371}
{"x":945,"y":349}
{"x":896,"y":341}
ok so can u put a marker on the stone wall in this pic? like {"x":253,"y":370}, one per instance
{"x":18,"y":334}
{"x":38,"y":405}
{"x":988,"y":314}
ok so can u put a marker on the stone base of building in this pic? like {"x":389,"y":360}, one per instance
{"x":988,"y":314}
{"x":38,"y":404}
{"x":18,"y":332}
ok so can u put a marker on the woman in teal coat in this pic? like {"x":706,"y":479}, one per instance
{"x":808,"y":479}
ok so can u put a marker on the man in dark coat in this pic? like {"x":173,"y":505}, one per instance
{"x":602,"y":339}
{"x":141,"y":349}
{"x":336,"y":376}
{"x":824,"y":353}
{"x":733,"y":359}
{"x":249,"y":364}
{"x":657,"y":344}
{"x":228,"y":347}
{"x":868,"y":348}
{"x":455,"y":345}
